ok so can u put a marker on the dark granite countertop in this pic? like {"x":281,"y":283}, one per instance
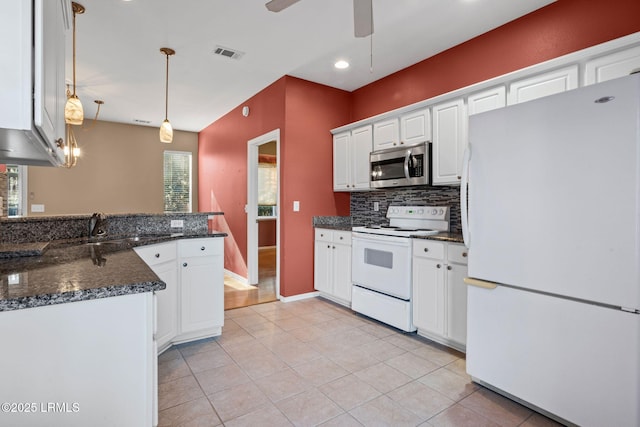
{"x":78,"y":269}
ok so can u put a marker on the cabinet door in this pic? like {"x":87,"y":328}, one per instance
{"x":322,"y":267}
{"x":167,"y":303}
{"x":457,"y":303}
{"x":449,"y":141}
{"x":543,"y":85}
{"x":612,"y":66}
{"x":428,"y":295}
{"x":386,"y":134}
{"x":342,"y":271}
{"x":415,"y":127}
{"x":199,"y":308}
{"x":49,"y":70}
{"x":341,"y":162}
{"x":487,"y":100}
{"x":361,"y":141}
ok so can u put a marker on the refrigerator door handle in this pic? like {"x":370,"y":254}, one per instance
{"x":480,"y":283}
{"x":463,"y":196}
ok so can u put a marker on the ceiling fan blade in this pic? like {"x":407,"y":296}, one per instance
{"x":363,"y":17}
{"x":278,"y":5}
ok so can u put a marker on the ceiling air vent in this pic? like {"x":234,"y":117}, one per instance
{"x":229,"y":53}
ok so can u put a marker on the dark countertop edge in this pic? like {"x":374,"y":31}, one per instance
{"x":110,"y":215}
{"x":443,"y":237}
{"x":339,"y":227}
{"x":80,"y":295}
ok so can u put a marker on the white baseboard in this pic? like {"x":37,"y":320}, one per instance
{"x":243,"y":280}
{"x":299,"y":297}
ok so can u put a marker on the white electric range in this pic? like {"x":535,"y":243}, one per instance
{"x":381,"y":262}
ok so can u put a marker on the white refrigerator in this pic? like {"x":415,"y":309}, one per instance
{"x":553,"y":230}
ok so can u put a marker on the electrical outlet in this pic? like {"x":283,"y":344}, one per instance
{"x":296,"y":206}
{"x":376,"y":206}
{"x":177,"y":223}
{"x":37,"y":208}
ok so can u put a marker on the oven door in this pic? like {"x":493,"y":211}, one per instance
{"x":382,"y":264}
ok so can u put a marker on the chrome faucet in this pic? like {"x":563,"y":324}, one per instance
{"x":97,"y":225}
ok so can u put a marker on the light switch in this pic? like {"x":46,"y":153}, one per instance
{"x":296,"y":206}
{"x":177,"y":223}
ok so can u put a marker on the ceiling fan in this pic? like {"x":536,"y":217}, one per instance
{"x":362,"y":14}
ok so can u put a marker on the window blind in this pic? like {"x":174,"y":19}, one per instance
{"x":177,"y":181}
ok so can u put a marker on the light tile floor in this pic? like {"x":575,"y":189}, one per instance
{"x":313,"y":362}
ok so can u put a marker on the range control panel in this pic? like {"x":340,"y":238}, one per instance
{"x":418,"y":212}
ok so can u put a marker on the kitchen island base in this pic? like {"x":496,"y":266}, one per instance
{"x":86,"y":363}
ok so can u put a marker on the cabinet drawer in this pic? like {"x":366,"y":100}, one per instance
{"x":200,"y":247}
{"x":428,"y":249}
{"x":343,"y":237}
{"x":324,"y":235}
{"x":157,"y":254}
{"x":458,"y":254}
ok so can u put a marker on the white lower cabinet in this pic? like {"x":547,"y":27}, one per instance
{"x":439,"y":292}
{"x":332,"y":265}
{"x":192,"y":305}
{"x":84,"y":363}
{"x":201,"y":288}
{"x":161,"y":258}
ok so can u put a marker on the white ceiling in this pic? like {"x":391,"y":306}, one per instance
{"x":119,"y":61}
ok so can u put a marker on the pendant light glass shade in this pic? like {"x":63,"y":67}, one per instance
{"x":166,"y":131}
{"x":73,"y":111}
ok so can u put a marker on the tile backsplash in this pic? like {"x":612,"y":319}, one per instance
{"x":362,"y":203}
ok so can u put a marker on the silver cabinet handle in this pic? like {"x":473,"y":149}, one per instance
{"x":448,"y":267}
{"x":157,"y":255}
{"x":184,"y":264}
{"x":464,"y":254}
{"x":202,"y":248}
{"x":426,"y":249}
{"x":438,"y":265}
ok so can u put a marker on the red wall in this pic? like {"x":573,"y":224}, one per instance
{"x":222,"y":167}
{"x":555,"y":30}
{"x":305,"y":112}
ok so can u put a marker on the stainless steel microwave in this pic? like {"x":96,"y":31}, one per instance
{"x":401,"y":166}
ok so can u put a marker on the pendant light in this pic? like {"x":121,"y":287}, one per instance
{"x":166,"y":131}
{"x":73,"y":111}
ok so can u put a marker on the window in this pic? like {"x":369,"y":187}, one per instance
{"x":267,"y":188}
{"x":16,"y":185}
{"x":177,"y":181}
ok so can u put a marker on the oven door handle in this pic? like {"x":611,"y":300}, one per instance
{"x":407,"y":158}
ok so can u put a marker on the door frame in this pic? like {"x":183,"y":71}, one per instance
{"x":252,"y":206}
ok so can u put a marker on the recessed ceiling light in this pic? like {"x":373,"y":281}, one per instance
{"x":341,"y":65}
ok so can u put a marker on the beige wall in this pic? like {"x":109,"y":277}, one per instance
{"x":120,"y":171}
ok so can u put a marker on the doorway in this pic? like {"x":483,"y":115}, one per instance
{"x":263,"y":224}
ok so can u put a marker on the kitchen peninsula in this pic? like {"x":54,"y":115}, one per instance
{"x":78,"y":315}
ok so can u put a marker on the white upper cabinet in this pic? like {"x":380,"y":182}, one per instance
{"x":386,"y":134}
{"x":341,"y":159}
{"x":415,"y":127}
{"x":618,"y":64}
{"x":351,"y":159}
{"x":49,"y":66}
{"x":449,"y":141}
{"x":487,"y":100}
{"x":544,"y":84}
